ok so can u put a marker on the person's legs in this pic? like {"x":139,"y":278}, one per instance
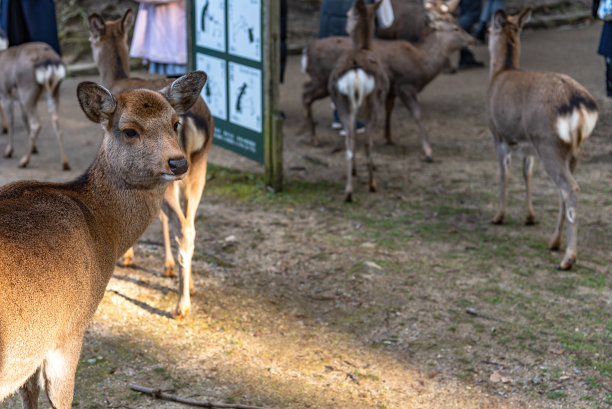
{"x":609,"y":76}
{"x":469,"y":15}
{"x":490,"y":7}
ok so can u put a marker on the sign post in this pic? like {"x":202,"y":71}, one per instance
{"x":237,"y":43}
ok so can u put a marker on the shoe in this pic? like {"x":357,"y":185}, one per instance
{"x":336,"y":125}
{"x":360,"y":129}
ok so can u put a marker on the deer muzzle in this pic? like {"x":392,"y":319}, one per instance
{"x":178,"y":167}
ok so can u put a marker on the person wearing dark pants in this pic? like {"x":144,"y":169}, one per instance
{"x":24,"y":21}
{"x":469,"y":14}
{"x":605,"y":48}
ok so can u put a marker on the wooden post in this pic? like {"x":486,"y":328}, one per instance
{"x":273,"y":122}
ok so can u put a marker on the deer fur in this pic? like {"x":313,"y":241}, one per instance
{"x":110,"y":51}
{"x":26,"y":71}
{"x":60,"y":241}
{"x":409,"y":69}
{"x":543,"y":114}
{"x":411,"y":17}
{"x":358,"y":83}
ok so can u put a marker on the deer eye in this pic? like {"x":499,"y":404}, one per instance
{"x":130,"y":133}
{"x":176,"y":126}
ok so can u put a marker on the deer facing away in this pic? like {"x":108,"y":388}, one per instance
{"x":409,"y":69}
{"x":60,"y":242}
{"x":537,"y":113}
{"x":358,"y":83}
{"x":110,"y":50}
{"x":26,"y":71}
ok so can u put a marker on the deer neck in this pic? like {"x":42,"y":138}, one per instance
{"x":113,"y":64}
{"x":505,"y":53}
{"x":362,"y":34}
{"x":121,"y":211}
{"x":434,"y":52}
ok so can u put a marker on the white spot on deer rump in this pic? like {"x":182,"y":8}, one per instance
{"x":577,"y":126}
{"x":356,"y":80}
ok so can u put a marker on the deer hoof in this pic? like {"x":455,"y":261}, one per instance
{"x":65,"y":166}
{"x":8,"y":152}
{"x":373,"y":187}
{"x":126,"y":262}
{"x":34,"y":150}
{"x":169,"y":272}
{"x":530,"y":220}
{"x":349,"y":197}
{"x":23,"y":163}
{"x":567,"y":263}
{"x":181,"y":313}
{"x":4,"y":129}
{"x":554,"y":244}
{"x":429,"y":159}
{"x":498,"y":219}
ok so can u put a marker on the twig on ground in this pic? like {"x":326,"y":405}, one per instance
{"x":159,"y":394}
{"x":475,"y":313}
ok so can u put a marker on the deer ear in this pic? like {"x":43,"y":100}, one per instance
{"x":185,"y":90}
{"x":127,"y":20}
{"x":96,"y":25}
{"x":96,"y":102}
{"x":499,"y":20}
{"x":524,"y":16}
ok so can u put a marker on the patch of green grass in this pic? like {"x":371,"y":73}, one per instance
{"x":556,"y":395}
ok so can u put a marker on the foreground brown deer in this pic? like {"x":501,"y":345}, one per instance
{"x":26,"y":71}
{"x":409,"y":69}
{"x":537,"y":113}
{"x":60,"y":241}
{"x":110,"y":50}
{"x":358,"y":83}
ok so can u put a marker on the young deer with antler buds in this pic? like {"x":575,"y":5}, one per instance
{"x":26,"y":71}
{"x":110,"y":50}
{"x":60,"y":241}
{"x":358,"y":83}
{"x":537,"y":113}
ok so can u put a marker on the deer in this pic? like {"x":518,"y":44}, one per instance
{"x":409,"y":69}
{"x":410,"y":22}
{"x":26,"y":71}
{"x":358,"y":83}
{"x":60,"y":241}
{"x":108,"y":41}
{"x":543,"y":114}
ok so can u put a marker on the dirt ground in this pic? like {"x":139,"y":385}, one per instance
{"x":408,"y":298}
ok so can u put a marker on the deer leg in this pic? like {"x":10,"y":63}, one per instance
{"x":371,"y":120}
{"x":29,"y":106}
{"x":555,"y":240}
{"x":310,"y":94}
{"x":127,"y":259}
{"x":29,"y":392}
{"x":348,"y":122}
{"x":4,"y":124}
{"x":389,"y":103}
{"x":7,"y":105}
{"x":59,"y":370}
{"x":410,"y":101}
{"x":169,"y":258}
{"x":53,"y":103}
{"x":504,"y":157}
{"x":561,"y":174}
{"x":527,"y":172}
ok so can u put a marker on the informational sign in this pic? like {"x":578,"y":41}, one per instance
{"x":227,"y":44}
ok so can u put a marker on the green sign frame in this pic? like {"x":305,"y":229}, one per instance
{"x":237,"y":43}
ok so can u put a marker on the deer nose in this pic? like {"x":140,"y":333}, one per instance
{"x":178,"y":166}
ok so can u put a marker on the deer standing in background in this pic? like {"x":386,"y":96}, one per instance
{"x":409,"y":69}
{"x":110,"y":51}
{"x":358,"y":83}
{"x":26,"y":71}
{"x":60,"y":241}
{"x":537,"y":113}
